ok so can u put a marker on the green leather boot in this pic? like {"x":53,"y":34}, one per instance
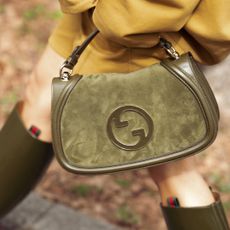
{"x":23,"y":159}
{"x":211,"y":217}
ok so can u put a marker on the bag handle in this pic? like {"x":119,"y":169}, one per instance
{"x":67,"y":67}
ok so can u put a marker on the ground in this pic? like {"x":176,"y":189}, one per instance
{"x":129,"y":199}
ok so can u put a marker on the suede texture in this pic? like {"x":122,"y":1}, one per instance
{"x":178,"y":121}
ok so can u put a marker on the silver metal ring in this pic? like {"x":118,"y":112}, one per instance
{"x":65,"y":72}
{"x":173,"y":53}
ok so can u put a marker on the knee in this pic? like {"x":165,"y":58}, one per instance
{"x":36,"y":85}
{"x":39,"y":81}
{"x":42,"y":73}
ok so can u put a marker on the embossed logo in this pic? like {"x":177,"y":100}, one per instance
{"x":116,"y":125}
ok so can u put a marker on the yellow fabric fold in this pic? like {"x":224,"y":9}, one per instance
{"x":203,"y":26}
{"x":76,"y":6}
{"x":130,"y":30}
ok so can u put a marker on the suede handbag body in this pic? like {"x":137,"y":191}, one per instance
{"x":110,"y":122}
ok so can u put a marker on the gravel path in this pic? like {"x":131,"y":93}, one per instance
{"x":36,"y":213}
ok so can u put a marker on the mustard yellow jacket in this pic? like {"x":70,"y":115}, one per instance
{"x":130,"y":30}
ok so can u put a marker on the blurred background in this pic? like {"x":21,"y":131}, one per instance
{"x":129,"y":200}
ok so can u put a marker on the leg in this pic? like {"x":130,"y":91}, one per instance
{"x":23,"y":157}
{"x":198,"y":205}
{"x":37,"y":98}
{"x":180,"y":179}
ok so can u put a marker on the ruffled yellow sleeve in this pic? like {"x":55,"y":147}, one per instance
{"x":209,"y":26}
{"x":76,"y":6}
{"x":199,"y":26}
{"x":137,"y":23}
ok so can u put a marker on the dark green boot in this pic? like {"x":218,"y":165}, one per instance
{"x":23,"y":159}
{"x":210,"y":217}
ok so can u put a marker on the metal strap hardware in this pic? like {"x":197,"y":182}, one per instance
{"x":167,"y":46}
{"x":67,"y":67}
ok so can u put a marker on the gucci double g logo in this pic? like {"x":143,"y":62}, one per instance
{"x":116,"y":128}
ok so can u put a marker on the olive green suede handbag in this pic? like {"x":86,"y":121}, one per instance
{"x":111,"y":122}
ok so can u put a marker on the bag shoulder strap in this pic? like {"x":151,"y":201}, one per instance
{"x":71,"y":61}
